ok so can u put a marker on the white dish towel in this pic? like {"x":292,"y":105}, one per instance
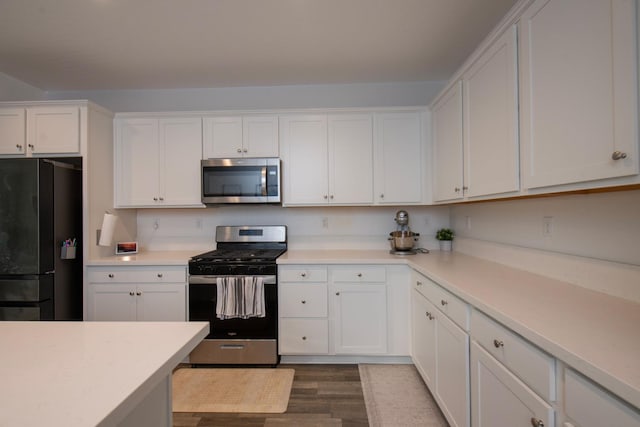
{"x":239,"y":297}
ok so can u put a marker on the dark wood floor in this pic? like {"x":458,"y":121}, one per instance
{"x":322,"y":395}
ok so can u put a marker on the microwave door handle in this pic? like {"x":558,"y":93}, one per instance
{"x":263,"y":181}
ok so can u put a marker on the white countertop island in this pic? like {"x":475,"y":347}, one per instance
{"x":91,"y":373}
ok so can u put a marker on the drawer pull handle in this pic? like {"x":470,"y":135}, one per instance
{"x":138,"y":293}
{"x":303,"y":301}
{"x":304,"y":338}
{"x":617,"y":155}
{"x":418,"y":283}
{"x":19,"y":147}
{"x":338,"y":293}
{"x":110,"y":275}
{"x":303,"y":274}
{"x":131,"y":293}
{"x":535,"y":422}
{"x":498,"y":343}
{"x":443,"y":302}
{"x":429,"y":315}
{"x":160,"y":275}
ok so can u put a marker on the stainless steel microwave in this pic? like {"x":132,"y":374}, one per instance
{"x":245,"y":180}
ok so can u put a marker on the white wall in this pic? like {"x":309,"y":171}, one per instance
{"x":15,"y":90}
{"x":604,"y":226}
{"x":346,"y":227}
{"x":249,"y":98}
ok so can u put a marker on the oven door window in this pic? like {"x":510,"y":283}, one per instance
{"x":202,"y":307}
{"x":234,"y":181}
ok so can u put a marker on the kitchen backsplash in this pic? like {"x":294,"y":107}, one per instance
{"x":308,"y":228}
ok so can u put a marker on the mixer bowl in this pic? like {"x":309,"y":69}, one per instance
{"x":402,"y":240}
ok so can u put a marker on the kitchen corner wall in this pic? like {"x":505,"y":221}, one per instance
{"x":308,"y":228}
{"x":604,"y":226}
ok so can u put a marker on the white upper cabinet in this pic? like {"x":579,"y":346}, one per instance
{"x":40,"y":130}
{"x":490,"y":103}
{"x":398,"y":158}
{"x":327,"y":159}
{"x":236,"y":136}
{"x":158,"y":162}
{"x":13,"y":134}
{"x":578,"y":98}
{"x":447,"y":144}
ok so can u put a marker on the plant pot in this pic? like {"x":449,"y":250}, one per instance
{"x":445,"y":245}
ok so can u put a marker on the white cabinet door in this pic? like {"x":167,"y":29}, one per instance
{"x":499,"y":398}
{"x":53,"y":130}
{"x":304,"y":154}
{"x":350,"y":159}
{"x":12,"y":131}
{"x":424,"y":338}
{"x":491,"y":155}
{"x":452,"y":378}
{"x":578,"y":98}
{"x":222,"y":137}
{"x":398,"y":158}
{"x":180,"y":148}
{"x":260,"y":136}
{"x":137,"y":163}
{"x":164,"y":302}
{"x":446,"y":116}
{"x":111,"y":302}
{"x":359,"y":318}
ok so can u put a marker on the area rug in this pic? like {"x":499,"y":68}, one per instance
{"x":253,"y":390}
{"x":395,"y":395}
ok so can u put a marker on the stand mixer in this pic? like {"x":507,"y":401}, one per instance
{"x":403,"y":239}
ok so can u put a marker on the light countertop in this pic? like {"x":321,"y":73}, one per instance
{"x":595,"y":333}
{"x":147,"y":258}
{"x":85,"y":373}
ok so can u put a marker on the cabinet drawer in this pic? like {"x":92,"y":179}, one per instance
{"x":456,"y":309}
{"x":530,"y":364}
{"x":589,"y":405}
{"x":359,"y":274}
{"x":303,"y":336}
{"x":302,"y":300}
{"x":161,"y":274}
{"x":302,"y":274}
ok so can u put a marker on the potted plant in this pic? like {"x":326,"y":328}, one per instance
{"x":445,"y":237}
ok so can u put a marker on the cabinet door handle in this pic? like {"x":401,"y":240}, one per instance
{"x":443,"y":302}
{"x":618,"y":155}
{"x":138,"y":293}
{"x":303,"y":274}
{"x":160,"y":275}
{"x":429,"y":315}
{"x":456,"y":189}
{"x":338,"y":293}
{"x":325,"y":197}
{"x":359,"y":274}
{"x":497,"y":343}
{"x":239,"y":150}
{"x":131,"y":293}
{"x":304,"y":338}
{"x":418,"y":283}
{"x":155,"y":199}
{"x":465,"y":188}
{"x":110,"y":275}
{"x":535,"y":422}
{"x":303,"y":301}
{"x":19,"y":147}
{"x":161,"y":199}
{"x":32,"y":147}
{"x":382,"y":196}
{"x":244,"y":150}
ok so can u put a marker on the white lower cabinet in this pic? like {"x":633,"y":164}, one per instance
{"x":335,"y":310}
{"x":588,"y":405}
{"x":441,"y":350}
{"x":499,"y":398}
{"x":358,"y":307}
{"x":136,"y":293}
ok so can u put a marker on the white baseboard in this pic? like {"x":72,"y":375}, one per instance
{"x":616,"y":279}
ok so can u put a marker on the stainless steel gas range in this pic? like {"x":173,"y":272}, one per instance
{"x":235,"y":288}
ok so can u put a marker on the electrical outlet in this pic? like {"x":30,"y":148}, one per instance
{"x":547,"y":226}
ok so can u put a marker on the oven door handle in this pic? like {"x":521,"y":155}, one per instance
{"x":212,"y":280}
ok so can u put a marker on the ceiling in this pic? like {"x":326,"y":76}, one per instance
{"x":167,"y":44}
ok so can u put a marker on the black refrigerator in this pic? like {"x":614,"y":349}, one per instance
{"x":40,"y":212}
